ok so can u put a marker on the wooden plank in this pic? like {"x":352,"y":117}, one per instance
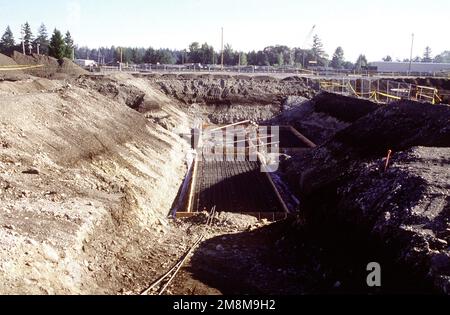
{"x":193,"y":183}
{"x":277,"y":193}
{"x":305,"y":140}
{"x":274,"y":187}
{"x":181,"y":215}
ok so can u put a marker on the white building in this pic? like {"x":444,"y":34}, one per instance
{"x":416,"y":67}
{"x":85,"y":63}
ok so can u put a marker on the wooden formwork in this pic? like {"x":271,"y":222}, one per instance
{"x":270,"y":216}
{"x":193,"y":181}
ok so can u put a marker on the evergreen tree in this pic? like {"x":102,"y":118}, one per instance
{"x":149,"y":56}
{"x":194,"y":54}
{"x":318,"y":52}
{"x":165,"y":57}
{"x":69,"y":45}
{"x":27,"y":38}
{"x":280,"y":59}
{"x":443,"y":57}
{"x":207,"y":54}
{"x":337,"y":61}
{"x":388,"y":58}
{"x":57,"y":47}
{"x":262,"y":58}
{"x":317,"y":48}
{"x":427,"y":55}
{"x":348,"y":65}
{"x":361,"y":62}
{"x":42,"y":40}
{"x":137,"y":55}
{"x":229,"y":57}
{"x":244,"y":60}
{"x":7,"y":43}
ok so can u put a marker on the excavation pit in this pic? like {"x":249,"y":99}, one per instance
{"x":234,"y":186}
{"x":233,"y":180}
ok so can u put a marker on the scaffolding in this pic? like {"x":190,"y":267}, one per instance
{"x":381,"y":90}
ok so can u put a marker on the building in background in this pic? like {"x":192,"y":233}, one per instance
{"x":416,"y":67}
{"x":85,"y":63}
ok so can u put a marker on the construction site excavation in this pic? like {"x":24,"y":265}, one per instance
{"x":221,"y":183}
{"x":229,"y":175}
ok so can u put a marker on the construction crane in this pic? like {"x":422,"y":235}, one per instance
{"x":308,"y":37}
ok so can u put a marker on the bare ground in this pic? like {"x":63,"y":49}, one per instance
{"x":90,"y":167}
{"x":75,"y":164}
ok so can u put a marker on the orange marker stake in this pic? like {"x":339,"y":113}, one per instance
{"x":387,"y":160}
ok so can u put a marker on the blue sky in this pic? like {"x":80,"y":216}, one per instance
{"x":375,"y":28}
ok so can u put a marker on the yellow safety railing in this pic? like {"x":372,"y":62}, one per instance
{"x":427,"y":93}
{"x":19,"y":67}
{"x":434,"y":97}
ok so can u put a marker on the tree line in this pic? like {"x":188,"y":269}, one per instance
{"x":58,"y":46}
{"x":205,"y":54}
{"x":270,"y":56}
{"x":427,"y":56}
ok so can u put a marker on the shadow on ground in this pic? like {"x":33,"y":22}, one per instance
{"x":285,"y":258}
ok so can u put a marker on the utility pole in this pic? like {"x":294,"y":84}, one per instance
{"x":239,"y":64}
{"x":23,"y":39}
{"x":303,"y":62}
{"x":410,"y":56}
{"x":121,"y":59}
{"x":222,"y":48}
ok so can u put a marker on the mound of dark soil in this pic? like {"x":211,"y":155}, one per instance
{"x":320,"y":118}
{"x":346,"y":191}
{"x":343,"y":108}
{"x":398,"y":127}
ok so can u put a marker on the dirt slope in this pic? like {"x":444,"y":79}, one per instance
{"x":51,"y":67}
{"x":6,"y":61}
{"x":9,"y":75}
{"x":222,"y":99}
{"x":213,"y":89}
{"x":79,"y":170}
